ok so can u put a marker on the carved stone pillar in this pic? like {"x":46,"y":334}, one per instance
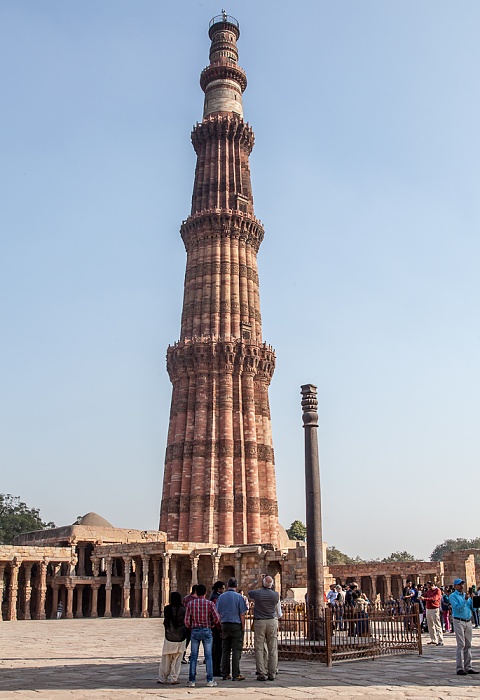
{"x":238,"y":568}
{"x":2,"y":573}
{"x":69,"y":614}
{"x":215,"y":566}
{"x":108,"y":587}
{"x":81,"y":559}
{"x":126,"y":587}
{"x":145,"y":565}
{"x":13,"y":590}
{"x":42,"y":591}
{"x":138,"y":588}
{"x":156,"y":588}
{"x":53,"y":614}
{"x":27,"y":592}
{"x":173,"y":572}
{"x":95,"y":587}
{"x":165,"y":580}
{"x":388,"y":585}
{"x":194,"y":564}
{"x":79,"y":611}
{"x":95,"y":565}
{"x":373,"y":585}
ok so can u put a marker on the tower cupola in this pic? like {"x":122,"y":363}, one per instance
{"x":223,"y":81}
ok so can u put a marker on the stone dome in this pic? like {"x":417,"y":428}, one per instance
{"x":93,"y":520}
{"x":283,"y":538}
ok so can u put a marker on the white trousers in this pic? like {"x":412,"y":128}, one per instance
{"x":170,"y":666}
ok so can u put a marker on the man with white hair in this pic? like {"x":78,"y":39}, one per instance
{"x":266,"y":627}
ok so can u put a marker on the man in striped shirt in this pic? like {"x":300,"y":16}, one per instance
{"x":200,"y":616}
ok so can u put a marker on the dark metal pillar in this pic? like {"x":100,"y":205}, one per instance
{"x":315,"y":563}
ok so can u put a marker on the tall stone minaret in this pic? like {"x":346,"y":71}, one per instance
{"x":219,"y":480}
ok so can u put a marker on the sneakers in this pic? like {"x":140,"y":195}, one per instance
{"x":211,"y":684}
{"x":191,"y":684}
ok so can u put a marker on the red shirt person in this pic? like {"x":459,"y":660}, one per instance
{"x":200,"y":616}
{"x":433,"y":599}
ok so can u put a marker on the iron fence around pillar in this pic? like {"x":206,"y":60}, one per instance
{"x":342,"y":632}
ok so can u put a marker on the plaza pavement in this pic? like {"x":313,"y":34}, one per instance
{"x":118,"y":659}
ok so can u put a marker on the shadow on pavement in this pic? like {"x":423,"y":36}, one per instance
{"x":403,"y":672}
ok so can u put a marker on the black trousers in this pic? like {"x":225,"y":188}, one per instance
{"x":217,"y":652}
{"x":232,"y":644}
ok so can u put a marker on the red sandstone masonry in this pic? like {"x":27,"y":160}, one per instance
{"x":219,"y":481}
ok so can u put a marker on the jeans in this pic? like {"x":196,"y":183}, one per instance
{"x":201,"y":634}
{"x":232,"y":643}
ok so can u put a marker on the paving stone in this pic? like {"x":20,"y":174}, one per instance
{"x":112,"y":659}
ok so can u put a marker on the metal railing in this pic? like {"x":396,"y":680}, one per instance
{"x":343,"y":632}
{"x":224,"y":18}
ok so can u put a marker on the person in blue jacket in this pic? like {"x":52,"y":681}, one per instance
{"x":462,"y":610}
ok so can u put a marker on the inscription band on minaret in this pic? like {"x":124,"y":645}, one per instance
{"x":219,"y":479}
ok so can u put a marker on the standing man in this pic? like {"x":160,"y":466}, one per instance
{"x":332,"y":594}
{"x":433,"y":600}
{"x":186,"y":601}
{"x":201,"y":615}
{"x":217,"y":590}
{"x":462,"y":610}
{"x":232,"y":608}
{"x":266,"y":628}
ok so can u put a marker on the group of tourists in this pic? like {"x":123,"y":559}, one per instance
{"x":447,"y":609}
{"x":219,"y":624}
{"x":441,"y":610}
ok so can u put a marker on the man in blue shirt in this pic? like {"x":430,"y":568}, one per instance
{"x":232,"y":608}
{"x":462,"y":610}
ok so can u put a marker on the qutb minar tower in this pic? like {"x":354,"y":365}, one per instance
{"x":219,"y":480}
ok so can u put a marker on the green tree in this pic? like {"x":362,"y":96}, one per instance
{"x":398,"y":556}
{"x":297,"y":531}
{"x":335,"y":557}
{"x":454,"y":546}
{"x":16,"y":518}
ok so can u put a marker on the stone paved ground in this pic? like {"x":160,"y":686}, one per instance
{"x":118,"y":659}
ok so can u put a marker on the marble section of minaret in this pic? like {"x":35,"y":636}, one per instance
{"x":219,"y":480}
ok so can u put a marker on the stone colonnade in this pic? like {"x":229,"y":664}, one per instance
{"x":24,"y":573}
{"x":386,"y":580}
{"x":125,"y":581}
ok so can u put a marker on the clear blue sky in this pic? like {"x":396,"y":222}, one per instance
{"x":366,"y":176}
